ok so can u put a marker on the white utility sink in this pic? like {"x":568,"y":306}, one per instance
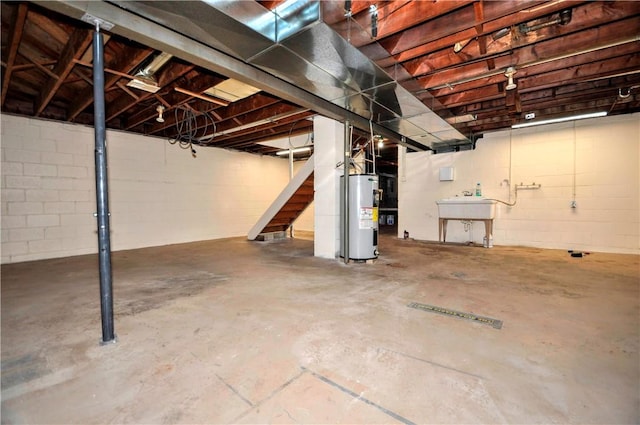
{"x":467,"y":208}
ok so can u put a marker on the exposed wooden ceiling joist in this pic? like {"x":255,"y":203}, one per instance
{"x":14,"y":41}
{"x":451,"y":54}
{"x":78,"y":43}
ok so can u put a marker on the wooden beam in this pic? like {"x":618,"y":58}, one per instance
{"x":106,"y":70}
{"x":595,"y":30}
{"x":558,"y":50}
{"x":528,"y":76}
{"x":204,"y":97}
{"x":513,"y":101}
{"x":85,"y":78}
{"x":123,"y":65}
{"x":393,"y":18}
{"x":54,"y":30}
{"x":564,"y":94}
{"x":252,"y":103}
{"x":448,"y":33}
{"x":29,"y":66}
{"x":261,"y":115}
{"x":172,"y":100}
{"x":166,"y":77}
{"x":451,"y":23}
{"x":15,"y":35}
{"x":250,"y":137}
{"x":42,"y":67}
{"x":127,"y":90}
{"x":78,"y":42}
{"x":544,"y":80}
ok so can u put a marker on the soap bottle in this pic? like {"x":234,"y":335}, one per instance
{"x":478,"y":190}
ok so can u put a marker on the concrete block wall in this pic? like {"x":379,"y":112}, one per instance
{"x":158,"y":193}
{"x":596,"y":159}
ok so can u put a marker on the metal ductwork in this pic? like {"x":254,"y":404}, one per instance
{"x":294,"y":44}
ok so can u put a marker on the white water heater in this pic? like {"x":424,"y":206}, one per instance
{"x":364,"y":199}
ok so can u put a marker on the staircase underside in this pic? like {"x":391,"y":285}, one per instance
{"x":288,"y":206}
{"x":298,"y":202}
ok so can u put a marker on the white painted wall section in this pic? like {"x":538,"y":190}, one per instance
{"x":158,"y":193}
{"x":596,"y":162}
{"x":328,"y":152}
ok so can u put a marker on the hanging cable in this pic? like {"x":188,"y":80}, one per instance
{"x":187,"y":129}
{"x":308,"y":142}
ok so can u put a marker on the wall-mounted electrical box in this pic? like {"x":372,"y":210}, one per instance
{"x":446,"y":174}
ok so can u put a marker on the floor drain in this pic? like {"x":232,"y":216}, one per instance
{"x":459,"y":314}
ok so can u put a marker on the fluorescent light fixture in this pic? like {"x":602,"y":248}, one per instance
{"x":145,"y":79}
{"x":147,"y":84}
{"x":563,"y":119}
{"x":294,"y":150}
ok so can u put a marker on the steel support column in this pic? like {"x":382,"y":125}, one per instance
{"x":345,"y":198}
{"x":102,"y":198}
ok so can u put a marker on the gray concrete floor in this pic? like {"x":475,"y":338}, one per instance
{"x":232,"y":331}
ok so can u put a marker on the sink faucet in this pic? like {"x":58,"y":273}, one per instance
{"x":467,"y":193}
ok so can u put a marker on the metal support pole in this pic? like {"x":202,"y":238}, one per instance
{"x":291,"y":231}
{"x":102,"y":198}
{"x":345,"y":210}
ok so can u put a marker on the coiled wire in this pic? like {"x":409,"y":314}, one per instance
{"x":187,"y":130}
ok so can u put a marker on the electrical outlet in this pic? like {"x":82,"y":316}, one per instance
{"x":574,"y":204}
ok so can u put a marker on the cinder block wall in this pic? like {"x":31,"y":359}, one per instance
{"x":598,"y":158}
{"x":159,"y":194}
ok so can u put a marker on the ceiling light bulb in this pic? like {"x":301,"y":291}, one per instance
{"x":380,"y":144}
{"x":509,"y":74}
{"x":160,"y":110}
{"x":460,"y":45}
